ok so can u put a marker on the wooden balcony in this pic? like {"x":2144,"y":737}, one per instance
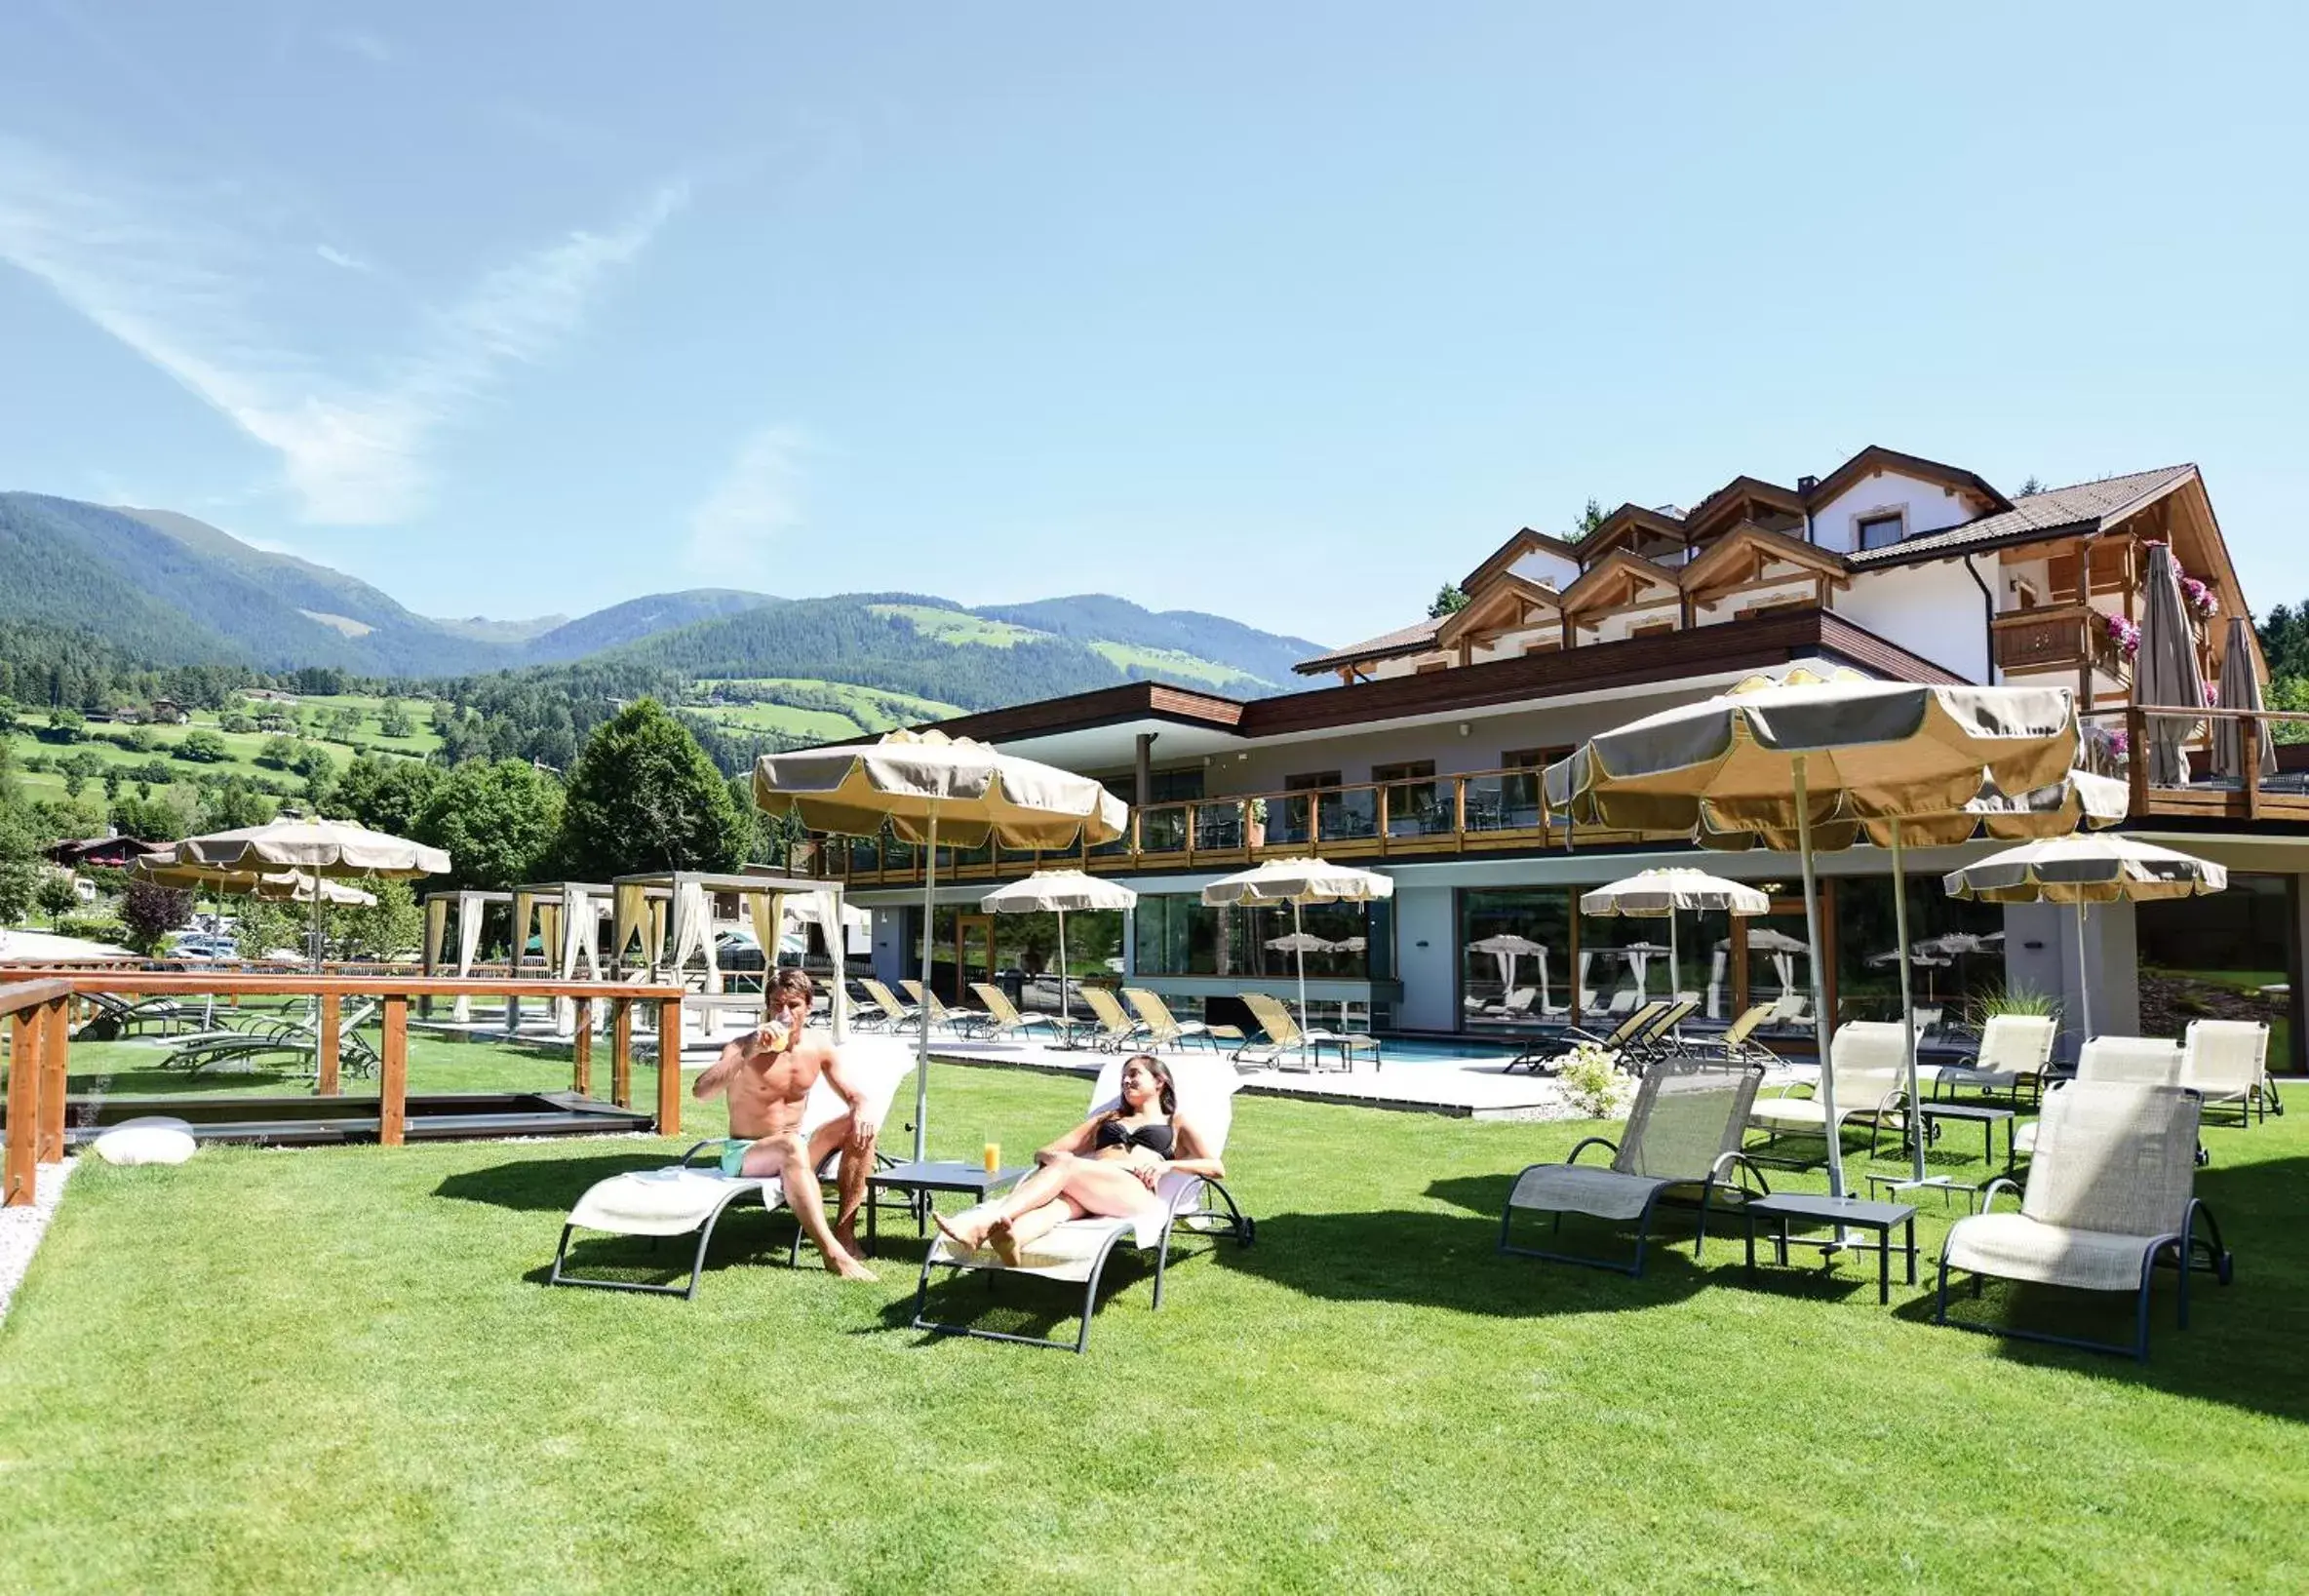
{"x":1485,"y":814}
{"x":2067,"y":639}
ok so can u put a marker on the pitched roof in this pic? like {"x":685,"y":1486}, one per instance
{"x":1408,"y":639}
{"x":1525,"y":541}
{"x":2085,"y":505}
{"x":1877,"y":457}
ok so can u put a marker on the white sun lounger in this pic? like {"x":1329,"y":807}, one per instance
{"x":683,"y":1197}
{"x":2228,"y":1065}
{"x":1077,"y":1251}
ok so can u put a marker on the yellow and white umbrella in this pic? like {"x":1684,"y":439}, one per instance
{"x":929,"y":788}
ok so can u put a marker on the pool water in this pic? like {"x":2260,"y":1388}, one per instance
{"x":1449,"y":1049}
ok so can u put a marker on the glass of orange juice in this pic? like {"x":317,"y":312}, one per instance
{"x":994,"y":1158}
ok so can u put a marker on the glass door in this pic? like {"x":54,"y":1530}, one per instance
{"x":973,"y":954}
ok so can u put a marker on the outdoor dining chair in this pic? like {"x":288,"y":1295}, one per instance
{"x":1683,"y":1134}
{"x":2110,"y":1196}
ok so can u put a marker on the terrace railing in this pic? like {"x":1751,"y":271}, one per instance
{"x":39,"y":1017}
{"x":1504,"y":812}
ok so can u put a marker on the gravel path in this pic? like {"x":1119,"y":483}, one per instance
{"x":21,"y":1229}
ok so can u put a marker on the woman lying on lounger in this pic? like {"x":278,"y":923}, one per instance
{"x":1105,"y":1167}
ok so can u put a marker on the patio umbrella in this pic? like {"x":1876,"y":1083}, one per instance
{"x":1657,"y":894}
{"x":924,"y":783}
{"x":1299,"y":881}
{"x":1054,"y":892}
{"x":275,"y":886}
{"x":2241,"y":690}
{"x":316,"y":847}
{"x":2165,"y":670}
{"x":1301,"y":942}
{"x":2082,"y":870}
{"x":1776,"y":755}
{"x":1506,"y":948}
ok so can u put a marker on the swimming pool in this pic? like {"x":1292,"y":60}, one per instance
{"x":1449,"y":1049}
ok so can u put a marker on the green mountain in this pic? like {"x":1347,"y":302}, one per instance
{"x":167,"y":589}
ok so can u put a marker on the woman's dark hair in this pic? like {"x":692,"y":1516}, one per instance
{"x":1169,"y":1096}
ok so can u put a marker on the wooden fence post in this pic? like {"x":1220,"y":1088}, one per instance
{"x":2136,"y":761}
{"x":2248,"y":743}
{"x":392,"y":1076}
{"x":669,"y":1067}
{"x":581,"y":1050}
{"x":621,"y":1052}
{"x":25,"y":1058}
{"x":325,"y":1075}
{"x":54,"y":1061}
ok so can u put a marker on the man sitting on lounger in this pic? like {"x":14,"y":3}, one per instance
{"x":767,"y":1073}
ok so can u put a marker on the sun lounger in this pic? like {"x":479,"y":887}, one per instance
{"x":1683,"y":1134}
{"x":2014,"y":1048}
{"x":1285,"y":1037}
{"x":955,"y":1022}
{"x":1163,"y":1030}
{"x":685,"y":1198}
{"x":1557,"y":1047}
{"x":115,"y":1017}
{"x":1870,"y":1081}
{"x":1658,"y":1039}
{"x":895,"y":1015}
{"x":1111,"y":1028}
{"x":1735,"y":1041}
{"x":2111,"y":1193}
{"x":2227,"y":1063}
{"x":280,"y":1041}
{"x":1004,"y":1020}
{"x":1076,"y":1251}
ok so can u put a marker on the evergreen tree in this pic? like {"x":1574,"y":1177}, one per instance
{"x":644,"y":797}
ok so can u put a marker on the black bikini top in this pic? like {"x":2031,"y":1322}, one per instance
{"x":1156,"y":1138}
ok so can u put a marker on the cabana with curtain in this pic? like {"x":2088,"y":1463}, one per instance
{"x":471,"y":908}
{"x":670,"y":916}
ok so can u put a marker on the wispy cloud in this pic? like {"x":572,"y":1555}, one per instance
{"x":341,"y":258}
{"x":360,"y":41}
{"x":736,"y":528}
{"x":160,"y":274}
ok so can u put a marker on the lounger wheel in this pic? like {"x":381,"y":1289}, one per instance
{"x":2225,"y":1270}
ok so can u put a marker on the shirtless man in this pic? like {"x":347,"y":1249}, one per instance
{"x":767,"y":1074}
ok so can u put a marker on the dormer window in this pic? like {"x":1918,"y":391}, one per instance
{"x":1880,"y":531}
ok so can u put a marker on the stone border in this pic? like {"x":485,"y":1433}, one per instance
{"x":21,"y":1229}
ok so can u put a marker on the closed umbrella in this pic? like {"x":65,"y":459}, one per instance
{"x":923,"y":784}
{"x":1296,"y":882}
{"x":1774,"y":755}
{"x":1055,"y":892}
{"x":2241,"y":690}
{"x":315,"y":847}
{"x":2165,"y":670}
{"x":1657,"y":894}
{"x":2082,"y":870}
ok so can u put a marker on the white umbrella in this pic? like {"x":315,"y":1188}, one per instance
{"x":1302,"y":942}
{"x":2082,"y":870}
{"x":1506,"y":948}
{"x":1657,"y":894}
{"x":1054,"y":892}
{"x":316,"y":847}
{"x":919,"y":783}
{"x":1299,"y":881}
{"x":1771,"y":754}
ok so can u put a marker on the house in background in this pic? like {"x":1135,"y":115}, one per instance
{"x":1419,"y":755}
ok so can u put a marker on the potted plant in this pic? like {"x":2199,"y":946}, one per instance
{"x":1254,"y":823}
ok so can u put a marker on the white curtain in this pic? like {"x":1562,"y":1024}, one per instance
{"x":631,"y":921}
{"x":580,"y":928}
{"x":1637,"y":963}
{"x":468,"y":944}
{"x":1783,"y":969}
{"x":1715,"y":985}
{"x":693,"y":933}
{"x":1545,"y":1003}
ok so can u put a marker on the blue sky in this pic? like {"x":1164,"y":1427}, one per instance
{"x":1288,"y":312}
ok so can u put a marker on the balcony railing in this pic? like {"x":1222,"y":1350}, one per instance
{"x":1499,"y":813}
{"x":2029,"y":640}
{"x":1481,"y":811}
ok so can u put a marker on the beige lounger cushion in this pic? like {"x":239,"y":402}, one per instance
{"x":2019,"y":1248}
{"x":662,"y":1203}
{"x":1583,"y":1188}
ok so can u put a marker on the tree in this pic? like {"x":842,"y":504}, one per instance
{"x":161,"y":818}
{"x":150,"y":913}
{"x":644,"y":797}
{"x":1450,"y":600}
{"x":384,"y":795}
{"x":56,"y":894}
{"x":203,"y":747}
{"x":278,"y":750}
{"x":1590,"y":517}
{"x":386,"y":929}
{"x":498,"y":823}
{"x":2031,"y":486}
{"x":20,"y":883}
{"x":392,"y":721}
{"x":259,"y":927}
{"x":233,"y":804}
{"x":78,"y":769}
{"x":67,"y":724}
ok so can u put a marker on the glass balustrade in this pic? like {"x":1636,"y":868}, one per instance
{"x":1164,"y":828}
{"x":1348,"y":814}
{"x":1218,"y":824}
{"x":1419,"y":809}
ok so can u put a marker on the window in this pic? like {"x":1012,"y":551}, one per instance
{"x":1431,"y":667}
{"x":1310,"y":780}
{"x":1652,"y":629}
{"x":1882,"y":529}
{"x":1414,"y":799}
{"x":1408,"y":770}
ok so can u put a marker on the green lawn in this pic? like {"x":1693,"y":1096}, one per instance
{"x":818,"y":725}
{"x":1174,"y":665}
{"x":338,"y":1369}
{"x":875,"y":709}
{"x":957,"y":626}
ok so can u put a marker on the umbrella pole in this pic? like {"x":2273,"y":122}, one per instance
{"x":921,"y":1054}
{"x":1900,"y":916}
{"x":1299,"y":954}
{"x":1819,"y":996}
{"x":2084,"y":985}
{"x":1065,"y":1020}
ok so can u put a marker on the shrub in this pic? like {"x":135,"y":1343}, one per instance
{"x":2011,"y":1000}
{"x":1592,"y":1083}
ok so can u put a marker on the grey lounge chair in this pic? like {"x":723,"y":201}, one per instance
{"x":2110,"y":1195}
{"x":1550,"y":1049}
{"x":1683,"y":1133}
